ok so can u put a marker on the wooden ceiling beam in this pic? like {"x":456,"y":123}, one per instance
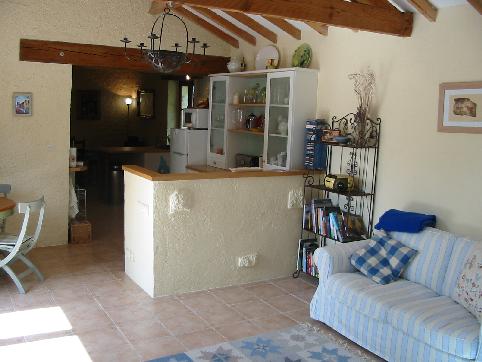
{"x":425,"y":8}
{"x":208,"y":26}
{"x":285,"y":26}
{"x":254,"y":25}
{"x":102,"y":56}
{"x":227,"y":25}
{"x":330,"y":12}
{"x":477,"y":4}
{"x":318,"y":27}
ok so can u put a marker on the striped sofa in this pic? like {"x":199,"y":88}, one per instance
{"x":412,"y":319}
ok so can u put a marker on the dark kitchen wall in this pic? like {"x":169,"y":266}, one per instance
{"x":112,"y":87}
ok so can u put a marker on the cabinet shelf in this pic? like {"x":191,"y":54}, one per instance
{"x":280,"y":105}
{"x":246,"y":131}
{"x":278,"y":135}
{"x":345,"y":193}
{"x":217,"y":128}
{"x":248,"y":105}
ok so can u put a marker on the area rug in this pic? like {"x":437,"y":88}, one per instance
{"x":295,"y":344}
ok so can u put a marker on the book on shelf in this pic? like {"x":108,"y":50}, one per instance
{"x":306,"y":263}
{"x":315,"y":152}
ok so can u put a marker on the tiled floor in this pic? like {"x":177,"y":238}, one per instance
{"x":116,"y":321}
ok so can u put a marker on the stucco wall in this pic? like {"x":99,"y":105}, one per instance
{"x":34,"y":156}
{"x":197,"y":247}
{"x":420,"y":169}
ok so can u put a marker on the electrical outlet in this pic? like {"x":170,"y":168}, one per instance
{"x":247,"y":261}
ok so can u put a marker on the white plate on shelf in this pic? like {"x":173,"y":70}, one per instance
{"x":268,"y":52}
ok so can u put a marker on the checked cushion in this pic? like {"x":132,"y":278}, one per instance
{"x":383,"y":260}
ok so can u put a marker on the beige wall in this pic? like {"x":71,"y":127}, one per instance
{"x":34,"y":149}
{"x":420,"y":169}
{"x":197,"y":247}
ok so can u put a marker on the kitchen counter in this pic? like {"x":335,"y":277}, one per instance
{"x":205,"y":172}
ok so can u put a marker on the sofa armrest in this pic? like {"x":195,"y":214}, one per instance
{"x":336,"y":258}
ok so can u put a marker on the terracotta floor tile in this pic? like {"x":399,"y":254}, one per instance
{"x":232,"y":295}
{"x":184,"y":323}
{"x":273,"y":323}
{"x":222,"y":315}
{"x":292,"y":285}
{"x":301,"y":316}
{"x":286,"y":303}
{"x":255,"y":309}
{"x":238,"y":330}
{"x":119,"y":354}
{"x":130,"y":313}
{"x":158,"y":347}
{"x":143,"y":330}
{"x":98,"y":340}
{"x":202,"y":338}
{"x":305,"y":295}
{"x":266,"y":290}
{"x":165,"y":308}
{"x":31,"y":301}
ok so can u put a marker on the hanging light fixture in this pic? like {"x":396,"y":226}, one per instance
{"x":163,"y":60}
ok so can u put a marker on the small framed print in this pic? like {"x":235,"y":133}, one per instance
{"x":460,"y":107}
{"x":22,"y":104}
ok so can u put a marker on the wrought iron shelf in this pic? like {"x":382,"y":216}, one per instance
{"x":337,"y":144}
{"x":344,"y":193}
{"x":345,"y":240}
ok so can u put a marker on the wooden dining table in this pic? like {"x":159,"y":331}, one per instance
{"x":7,"y":207}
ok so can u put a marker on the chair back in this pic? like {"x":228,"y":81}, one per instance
{"x":5,"y":189}
{"x":28,"y":208}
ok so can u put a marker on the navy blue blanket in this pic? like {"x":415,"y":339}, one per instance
{"x":408,"y":222}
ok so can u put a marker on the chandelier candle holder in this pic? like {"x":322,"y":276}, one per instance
{"x":163,"y":60}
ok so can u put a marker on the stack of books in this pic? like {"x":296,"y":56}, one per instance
{"x":323,"y":218}
{"x":315,"y":152}
{"x":307,"y":265}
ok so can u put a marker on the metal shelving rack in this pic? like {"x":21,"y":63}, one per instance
{"x":357,"y":158}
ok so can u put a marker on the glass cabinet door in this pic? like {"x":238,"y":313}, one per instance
{"x":218,"y":113}
{"x":279,"y":114}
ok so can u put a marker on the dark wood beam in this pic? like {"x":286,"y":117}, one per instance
{"x":254,"y":25}
{"x":425,"y":8}
{"x":226,"y":24}
{"x":477,"y":4}
{"x":285,"y":26}
{"x":208,"y":26}
{"x":102,"y":56}
{"x":330,"y":12}
{"x":320,"y":28}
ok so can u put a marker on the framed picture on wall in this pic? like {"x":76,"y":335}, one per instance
{"x":460,"y":107}
{"x":22,"y":104}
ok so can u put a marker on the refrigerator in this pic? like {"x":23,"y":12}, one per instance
{"x":188,"y":147}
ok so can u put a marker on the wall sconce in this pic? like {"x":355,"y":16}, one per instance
{"x":188,"y":77}
{"x":128,"y":102}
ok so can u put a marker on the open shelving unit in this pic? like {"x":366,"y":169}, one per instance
{"x":355,"y":206}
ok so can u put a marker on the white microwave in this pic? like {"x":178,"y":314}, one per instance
{"x":196,"y":118}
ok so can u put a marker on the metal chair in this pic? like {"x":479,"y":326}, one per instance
{"x":4,"y":191}
{"x":16,"y":247}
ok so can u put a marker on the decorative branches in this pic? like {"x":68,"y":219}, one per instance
{"x":364,"y":86}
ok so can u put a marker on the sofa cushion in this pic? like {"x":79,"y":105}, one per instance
{"x":374,"y":300}
{"x":462,"y":248}
{"x":469,"y":284}
{"x":440,"y":323}
{"x":373,"y":262}
{"x":429,"y":266}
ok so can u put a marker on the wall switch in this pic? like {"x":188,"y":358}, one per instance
{"x":247,"y":261}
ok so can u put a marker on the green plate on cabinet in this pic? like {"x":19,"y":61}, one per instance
{"x":302,"y":56}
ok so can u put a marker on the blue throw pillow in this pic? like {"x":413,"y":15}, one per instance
{"x":398,"y":254}
{"x":383,"y":260}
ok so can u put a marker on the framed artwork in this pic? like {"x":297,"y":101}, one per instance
{"x":460,"y":107}
{"x":88,"y":105}
{"x":22,"y":104}
{"x":145,"y":103}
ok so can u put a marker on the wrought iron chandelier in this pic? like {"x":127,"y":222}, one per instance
{"x":164,"y":60}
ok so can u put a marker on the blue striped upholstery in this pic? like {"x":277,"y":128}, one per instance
{"x":461,"y":249}
{"x":441,"y":323}
{"x":372,"y":299}
{"x":378,"y":337}
{"x":430,"y":264}
{"x":406,"y":320}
